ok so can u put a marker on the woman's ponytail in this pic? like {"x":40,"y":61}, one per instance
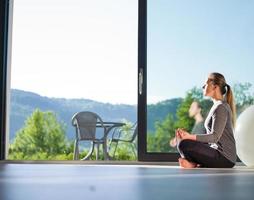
{"x":231,"y":102}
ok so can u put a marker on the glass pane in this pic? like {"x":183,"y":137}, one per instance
{"x":70,"y":56}
{"x":186,"y":40}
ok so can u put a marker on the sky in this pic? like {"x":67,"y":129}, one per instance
{"x":76,"y":49}
{"x":88,"y":49}
{"x":189,"y":39}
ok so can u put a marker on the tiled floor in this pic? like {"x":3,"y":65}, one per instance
{"x":110,"y":182}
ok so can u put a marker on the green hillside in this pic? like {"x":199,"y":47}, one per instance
{"x":23,"y":103}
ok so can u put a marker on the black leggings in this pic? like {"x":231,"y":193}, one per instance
{"x":203,"y":154}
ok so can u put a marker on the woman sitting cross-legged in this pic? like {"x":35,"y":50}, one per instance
{"x":216,"y":148}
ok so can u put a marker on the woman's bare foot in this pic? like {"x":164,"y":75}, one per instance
{"x":186,"y":164}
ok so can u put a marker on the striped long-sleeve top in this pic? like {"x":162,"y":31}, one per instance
{"x":220,"y":132}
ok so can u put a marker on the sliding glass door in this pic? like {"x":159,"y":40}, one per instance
{"x":69,"y":57}
{"x":180,"y":43}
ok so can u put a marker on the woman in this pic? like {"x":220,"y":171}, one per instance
{"x":216,"y":148}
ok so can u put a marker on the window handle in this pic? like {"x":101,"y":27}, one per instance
{"x":140,"y":81}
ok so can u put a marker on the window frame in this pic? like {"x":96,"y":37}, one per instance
{"x":143,"y":154}
{"x":5,"y":8}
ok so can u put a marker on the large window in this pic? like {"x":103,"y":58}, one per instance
{"x":186,"y":40}
{"x":77,"y":55}
{"x":70,"y":56}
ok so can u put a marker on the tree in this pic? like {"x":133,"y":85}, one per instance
{"x":42,"y":137}
{"x":183,"y":119}
{"x":196,"y":93}
{"x":159,"y":141}
{"x":242,"y":95}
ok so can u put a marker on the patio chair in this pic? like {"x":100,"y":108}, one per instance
{"x":85,"y":124}
{"x":126,"y":136}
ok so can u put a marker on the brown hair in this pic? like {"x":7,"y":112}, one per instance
{"x":218,"y":79}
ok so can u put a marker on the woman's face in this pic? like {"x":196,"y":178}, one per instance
{"x":209,"y":88}
{"x":194,"y":109}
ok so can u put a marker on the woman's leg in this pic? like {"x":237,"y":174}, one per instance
{"x":203,"y":155}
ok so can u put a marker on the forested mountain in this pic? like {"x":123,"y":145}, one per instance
{"x":158,"y":111}
{"x":23,"y":103}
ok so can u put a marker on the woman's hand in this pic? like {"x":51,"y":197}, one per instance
{"x":173,"y":142}
{"x":183,"y":135}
